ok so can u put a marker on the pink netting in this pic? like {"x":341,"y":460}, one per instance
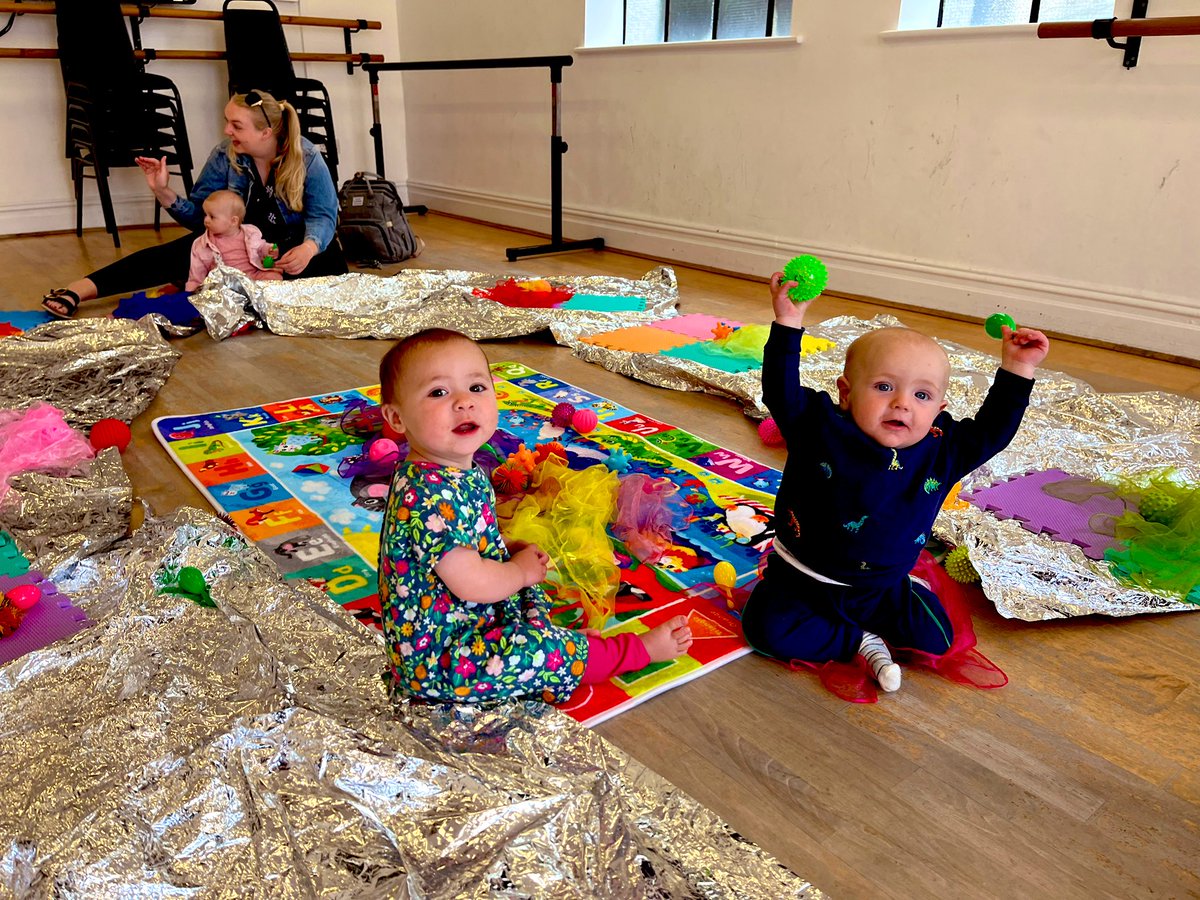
{"x":647,"y":512}
{"x":38,"y":439}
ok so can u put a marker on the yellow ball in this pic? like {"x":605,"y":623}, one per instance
{"x":724,"y":574}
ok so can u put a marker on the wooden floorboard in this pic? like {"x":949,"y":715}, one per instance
{"x":1078,"y":779}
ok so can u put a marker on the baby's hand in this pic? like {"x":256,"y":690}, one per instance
{"x":786,"y":312}
{"x":1023,"y":350}
{"x":532,"y":561}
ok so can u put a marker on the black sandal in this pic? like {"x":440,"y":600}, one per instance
{"x":61,"y":303}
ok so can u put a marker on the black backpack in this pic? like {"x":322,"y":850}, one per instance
{"x":371,"y":222}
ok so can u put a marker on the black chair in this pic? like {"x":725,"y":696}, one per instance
{"x":116,"y":111}
{"x":257,"y":53}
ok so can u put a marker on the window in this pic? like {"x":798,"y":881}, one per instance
{"x":668,"y":21}
{"x":969,"y":13}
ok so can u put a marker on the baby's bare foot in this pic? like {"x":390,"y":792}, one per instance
{"x":668,"y":640}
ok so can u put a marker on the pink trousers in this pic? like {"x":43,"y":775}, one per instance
{"x":616,"y":655}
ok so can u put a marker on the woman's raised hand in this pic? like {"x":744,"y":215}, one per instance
{"x":155,"y":171}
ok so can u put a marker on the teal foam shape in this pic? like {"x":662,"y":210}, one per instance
{"x":12,"y":563}
{"x":600,"y":303}
{"x":709,"y":354}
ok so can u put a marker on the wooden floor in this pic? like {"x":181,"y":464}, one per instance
{"x":1079,"y":779}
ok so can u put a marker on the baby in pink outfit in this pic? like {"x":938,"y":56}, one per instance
{"x":226,"y":241}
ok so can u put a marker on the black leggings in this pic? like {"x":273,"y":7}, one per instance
{"x":169,"y":264}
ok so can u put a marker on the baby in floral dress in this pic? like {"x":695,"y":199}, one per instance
{"x":463,"y":615}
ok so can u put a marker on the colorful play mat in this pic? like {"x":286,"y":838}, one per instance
{"x":289,"y":474}
{"x":18,"y":321}
{"x":727,"y":345}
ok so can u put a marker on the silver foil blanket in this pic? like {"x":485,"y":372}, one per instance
{"x":1068,"y":426}
{"x":252,"y":750}
{"x":358,"y":305}
{"x":90,"y":368}
{"x":60,"y":518}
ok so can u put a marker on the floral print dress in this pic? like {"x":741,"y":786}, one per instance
{"x":441,"y":647}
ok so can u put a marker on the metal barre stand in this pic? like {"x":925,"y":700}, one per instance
{"x":557,"y":145}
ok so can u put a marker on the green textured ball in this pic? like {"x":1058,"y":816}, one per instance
{"x":958,"y":566}
{"x":810,"y":276}
{"x":1158,"y":506}
{"x":192,"y":580}
{"x":995,"y":323}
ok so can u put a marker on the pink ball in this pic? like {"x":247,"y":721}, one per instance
{"x":382,"y":449}
{"x":24,"y":596}
{"x":561,"y":415}
{"x":109,"y":433}
{"x":769,"y":432}
{"x":584,"y":420}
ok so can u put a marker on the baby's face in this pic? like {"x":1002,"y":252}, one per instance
{"x":445,"y":403}
{"x":895,"y":387}
{"x":220,"y":220}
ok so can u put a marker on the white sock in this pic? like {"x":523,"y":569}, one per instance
{"x":876,"y":653}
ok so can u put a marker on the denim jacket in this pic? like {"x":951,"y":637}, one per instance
{"x":320,"y":196}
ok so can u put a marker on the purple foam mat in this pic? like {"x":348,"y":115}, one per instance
{"x":1062,"y":506}
{"x":51,"y":619}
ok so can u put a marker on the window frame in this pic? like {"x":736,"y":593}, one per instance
{"x":716,"y":18}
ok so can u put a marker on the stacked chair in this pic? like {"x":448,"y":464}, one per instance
{"x":116,"y":111}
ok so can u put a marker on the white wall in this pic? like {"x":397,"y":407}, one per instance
{"x":35,"y":180}
{"x":966,"y":172}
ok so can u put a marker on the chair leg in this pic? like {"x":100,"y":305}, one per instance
{"x":157,"y":215}
{"x":110,"y":218}
{"x":77,"y":177}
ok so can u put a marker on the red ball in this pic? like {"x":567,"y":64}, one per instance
{"x":584,"y":420}
{"x":769,"y":432}
{"x":109,"y":433}
{"x":391,"y":433}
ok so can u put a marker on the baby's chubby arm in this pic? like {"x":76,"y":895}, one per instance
{"x":1023,"y":350}
{"x":474,"y":579}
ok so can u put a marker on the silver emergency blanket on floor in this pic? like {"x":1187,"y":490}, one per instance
{"x":358,"y":305}
{"x":252,"y":750}
{"x":91,"y":368}
{"x":59,"y":518}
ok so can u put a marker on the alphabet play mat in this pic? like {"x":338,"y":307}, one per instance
{"x":293,"y":477}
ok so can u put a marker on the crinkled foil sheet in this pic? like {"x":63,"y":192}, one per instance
{"x":60,"y":518}
{"x":358,"y":305}
{"x":1068,"y":426}
{"x":89,"y":368}
{"x":252,"y":750}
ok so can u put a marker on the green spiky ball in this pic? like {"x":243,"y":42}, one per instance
{"x":810,"y":276}
{"x":1158,"y":506}
{"x":958,"y":566}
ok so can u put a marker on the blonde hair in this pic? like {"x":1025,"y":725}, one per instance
{"x":232,"y":201}
{"x":280,"y":116}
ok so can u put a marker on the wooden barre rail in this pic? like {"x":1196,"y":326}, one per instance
{"x":1163,"y":26}
{"x":131,"y":11}
{"x":51,"y":53}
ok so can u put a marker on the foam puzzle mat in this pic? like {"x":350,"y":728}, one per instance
{"x":274,"y":470}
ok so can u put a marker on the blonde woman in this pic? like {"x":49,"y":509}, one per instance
{"x":281,"y":177}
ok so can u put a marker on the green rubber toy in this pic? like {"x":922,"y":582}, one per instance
{"x":810,"y":276}
{"x":191,"y":583}
{"x":995,"y":323}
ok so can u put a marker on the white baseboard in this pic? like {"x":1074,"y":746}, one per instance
{"x":129,"y":209}
{"x":1158,"y":322}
